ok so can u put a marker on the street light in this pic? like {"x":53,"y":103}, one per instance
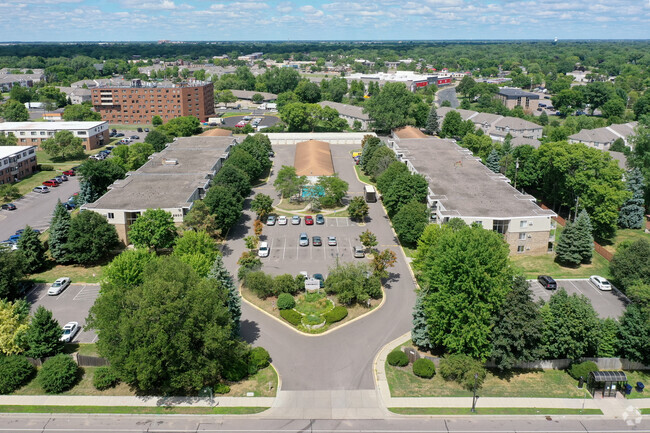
{"x":474,"y":397}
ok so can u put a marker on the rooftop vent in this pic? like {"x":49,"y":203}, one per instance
{"x":169,"y":161}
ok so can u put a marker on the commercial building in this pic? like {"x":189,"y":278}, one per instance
{"x":93,"y":134}
{"x":412,"y":80}
{"x":603,"y":138}
{"x":16,"y":162}
{"x":171,"y":180}
{"x":139,"y":102}
{"x":512,"y":97}
{"x":460,"y":186}
{"x":350,"y":113}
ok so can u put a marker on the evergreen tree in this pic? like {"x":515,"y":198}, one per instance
{"x":608,"y":338}
{"x":634,"y":334}
{"x":59,"y":230}
{"x":585,"y":240}
{"x":632,"y":212}
{"x":221,"y":274}
{"x":576,"y":242}
{"x":432,"y":121}
{"x":43,"y":335}
{"x":32,"y":249}
{"x":517,"y":331}
{"x":493,"y":161}
{"x":86,"y":193}
{"x":420,"y":330}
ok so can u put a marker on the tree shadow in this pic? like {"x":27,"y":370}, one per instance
{"x":249,"y":331}
{"x":392,"y":277}
{"x":226,"y":250}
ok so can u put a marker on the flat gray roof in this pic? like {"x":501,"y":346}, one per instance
{"x":187,"y":157}
{"x":154,"y":191}
{"x":463,"y":185}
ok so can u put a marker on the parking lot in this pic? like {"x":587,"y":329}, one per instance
{"x":266,"y":120}
{"x":287,"y":256}
{"x":606,"y":303}
{"x":71,"y":305}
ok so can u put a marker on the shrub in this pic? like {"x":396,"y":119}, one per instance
{"x":291,"y":316}
{"x":582,"y":369}
{"x":105,"y":378}
{"x":336,"y":314}
{"x":58,"y":374}
{"x":461,"y":369}
{"x":286,"y":301}
{"x":236,"y":370}
{"x":44,"y":167}
{"x":259,"y":359}
{"x":398,"y":358}
{"x":259,"y":283}
{"x":424,"y":367}
{"x":222,"y":388}
{"x":14,"y":372}
{"x":284,"y":284}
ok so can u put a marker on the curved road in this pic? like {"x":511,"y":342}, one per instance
{"x":343,"y":358}
{"x":448,"y":94}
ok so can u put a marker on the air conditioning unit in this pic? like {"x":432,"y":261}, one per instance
{"x":530,"y":236}
{"x":530,"y":223}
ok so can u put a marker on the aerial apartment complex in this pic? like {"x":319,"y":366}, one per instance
{"x":93,"y":134}
{"x":138,"y":102}
{"x":460,"y":186}
{"x":16,"y":162}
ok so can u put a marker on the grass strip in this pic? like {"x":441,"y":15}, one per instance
{"x":157,"y":410}
{"x":492,"y":411}
{"x":645,"y":411}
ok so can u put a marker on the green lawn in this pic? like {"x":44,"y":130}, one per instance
{"x":545,"y":264}
{"x":77,"y":273}
{"x":84,"y":386}
{"x":237,"y":113}
{"x":520,"y":383}
{"x":492,"y":411}
{"x":88,"y":349}
{"x":634,"y":376}
{"x":161,"y":410}
{"x":362,"y":177}
{"x":626,"y":235}
{"x":119,"y":126}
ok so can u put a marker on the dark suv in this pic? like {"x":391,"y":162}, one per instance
{"x":547,"y":282}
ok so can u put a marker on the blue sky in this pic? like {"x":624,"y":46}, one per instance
{"x":142,"y":20}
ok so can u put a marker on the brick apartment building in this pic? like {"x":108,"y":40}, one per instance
{"x":138,"y":102}
{"x":16,"y":162}
{"x":93,"y":134}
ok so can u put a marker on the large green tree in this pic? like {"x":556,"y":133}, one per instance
{"x":90,"y":238}
{"x":14,"y":111}
{"x":64,"y":145}
{"x":97,"y":176}
{"x":13,"y":325}
{"x":396,"y":106}
{"x":170,"y":335}
{"x":632,"y":213}
{"x":405,"y":188}
{"x":517,"y":331}
{"x":433,"y":125}
{"x":80,"y":112}
{"x":126,"y":270}
{"x":157,"y":139}
{"x":154,"y":229}
{"x":576,"y":244}
{"x":12,"y":270}
{"x":466,"y":275}
{"x":43,"y":337}
{"x":351,"y":284}
{"x":262,"y":205}
{"x":220,"y":273}
{"x":287,"y":182}
{"x":233,"y":177}
{"x":334,"y":189}
{"x":410,"y":221}
{"x":183,"y":126}
{"x":198,"y":250}
{"x":200,"y":218}
{"x":59,"y":232}
{"x":631,"y":263}
{"x":32,"y":249}
{"x":225,"y":204}
{"x":634,"y":334}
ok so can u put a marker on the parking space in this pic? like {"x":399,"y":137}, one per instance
{"x":72,"y":305}
{"x":606,"y":303}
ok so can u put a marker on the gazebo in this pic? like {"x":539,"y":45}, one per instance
{"x":607,"y":381}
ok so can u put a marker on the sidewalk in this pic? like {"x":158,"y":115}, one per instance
{"x":81,"y":400}
{"x":611,"y":408}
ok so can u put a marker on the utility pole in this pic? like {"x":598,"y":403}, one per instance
{"x":474,"y":397}
{"x":516,"y":170}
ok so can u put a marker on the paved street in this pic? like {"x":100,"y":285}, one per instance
{"x":606,"y":303}
{"x":253,"y":424}
{"x":35,"y":209}
{"x":448,"y":94}
{"x":343,"y":358}
{"x":71,"y":305}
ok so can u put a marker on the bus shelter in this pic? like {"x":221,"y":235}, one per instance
{"x":607,"y":382}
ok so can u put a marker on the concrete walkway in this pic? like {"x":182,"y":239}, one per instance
{"x":125,"y":400}
{"x":611,"y":407}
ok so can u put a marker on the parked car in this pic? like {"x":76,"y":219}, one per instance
{"x":139,"y":129}
{"x":8,"y":206}
{"x":58,"y":286}
{"x":41,"y":189}
{"x":69,"y":173}
{"x":9,"y":244}
{"x":270,"y":220}
{"x":119,"y":134}
{"x":331,"y":241}
{"x":320,"y":279}
{"x":68,"y":206}
{"x":247,"y":118}
{"x":359,"y":252}
{"x":69,"y":331}
{"x":547,"y":282}
{"x":15,"y":238}
{"x":320,"y":219}
{"x":316,"y":241}
{"x":112,"y":134}
{"x":135,"y":137}
{"x":309,"y":220}
{"x":146,"y":129}
{"x":295,"y":220}
{"x":240,"y":124}
{"x":282,"y":220}
{"x":600,"y":282}
{"x":61,"y":178}
{"x":304,"y":240}
{"x":263,"y":251}
{"x":57,"y":179}
{"x":52,"y":183}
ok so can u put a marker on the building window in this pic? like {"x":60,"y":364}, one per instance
{"x":523,"y":224}
{"x":500,"y":226}
{"x":520,"y":249}
{"x":111,"y":215}
{"x":522,"y":236}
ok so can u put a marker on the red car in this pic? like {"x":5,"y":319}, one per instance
{"x":69,"y":173}
{"x":309,"y":220}
{"x":51,"y":183}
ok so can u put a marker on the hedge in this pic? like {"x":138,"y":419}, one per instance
{"x":105,"y":378}
{"x":58,"y":374}
{"x":424,"y":367}
{"x":259,"y":359}
{"x":14,"y":372}
{"x":582,"y":369}
{"x":398,"y":358}
{"x":222,"y":388}
{"x":336,"y":314}
{"x":286,"y":301}
{"x":291,"y":316}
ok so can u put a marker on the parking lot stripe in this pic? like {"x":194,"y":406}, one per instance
{"x":284,"y":248}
